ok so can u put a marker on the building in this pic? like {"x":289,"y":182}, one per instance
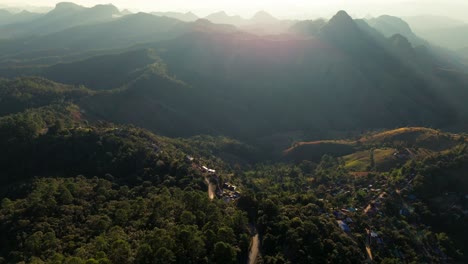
{"x":343,"y":226}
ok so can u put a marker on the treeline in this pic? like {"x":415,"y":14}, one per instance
{"x":80,"y":220}
{"x":31,"y":92}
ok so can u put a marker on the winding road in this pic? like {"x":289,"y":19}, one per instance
{"x":211,"y":188}
{"x":254,"y":250}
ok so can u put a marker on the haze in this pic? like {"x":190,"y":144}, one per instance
{"x":281,"y":8}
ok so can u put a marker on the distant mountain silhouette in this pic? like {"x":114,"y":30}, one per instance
{"x":390,"y":25}
{"x":10,"y":18}
{"x":260,"y":17}
{"x":63,"y":16}
{"x":118,"y":33}
{"x":186,"y":17}
{"x":263,"y":17}
{"x":126,"y":12}
{"x":223,"y":18}
{"x":343,"y":75}
{"x":308,"y":27}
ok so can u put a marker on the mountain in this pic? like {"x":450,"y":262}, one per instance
{"x":389,"y":26}
{"x":11,"y":18}
{"x":263,"y":17}
{"x":186,"y":17}
{"x":308,"y":27}
{"x":104,"y":72}
{"x":99,"y":39}
{"x":442,"y":31}
{"x":126,"y":12}
{"x":118,"y":33}
{"x":63,"y":16}
{"x":262,"y":23}
{"x":246,"y":78}
{"x":223,"y":18}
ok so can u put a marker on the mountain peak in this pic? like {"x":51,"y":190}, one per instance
{"x":341,"y":17}
{"x":263,"y":17}
{"x":341,"y":23}
{"x":345,"y":33}
{"x":67,"y":6}
{"x":219,"y":14}
{"x":109,"y":8}
{"x":126,"y":12}
{"x":401,"y":42}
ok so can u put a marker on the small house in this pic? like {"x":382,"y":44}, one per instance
{"x":343,"y":226}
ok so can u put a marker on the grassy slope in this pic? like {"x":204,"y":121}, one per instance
{"x":421,"y":142}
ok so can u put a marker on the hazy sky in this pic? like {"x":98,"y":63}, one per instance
{"x":282,"y":8}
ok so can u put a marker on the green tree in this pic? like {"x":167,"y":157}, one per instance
{"x":224,"y":253}
{"x":164,"y":255}
{"x":120,"y":252}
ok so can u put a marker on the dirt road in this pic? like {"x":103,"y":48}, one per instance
{"x":211,"y":188}
{"x":254,"y":250}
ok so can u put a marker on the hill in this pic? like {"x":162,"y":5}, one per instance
{"x":25,"y":93}
{"x":414,"y":136}
{"x":315,"y":150}
{"x":381,"y":151}
{"x":120,"y":69}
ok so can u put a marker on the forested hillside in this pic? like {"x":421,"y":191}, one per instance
{"x":80,"y":190}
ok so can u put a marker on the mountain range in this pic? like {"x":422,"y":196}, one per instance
{"x":63,"y":16}
{"x":245,"y":77}
{"x":7,"y":17}
{"x":381,"y":64}
{"x":442,"y":31}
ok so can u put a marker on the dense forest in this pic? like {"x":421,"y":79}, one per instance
{"x":86,"y":191}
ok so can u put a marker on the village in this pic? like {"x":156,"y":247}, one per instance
{"x":216,"y":187}
{"x":372,"y":209}
{"x":376,"y":190}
